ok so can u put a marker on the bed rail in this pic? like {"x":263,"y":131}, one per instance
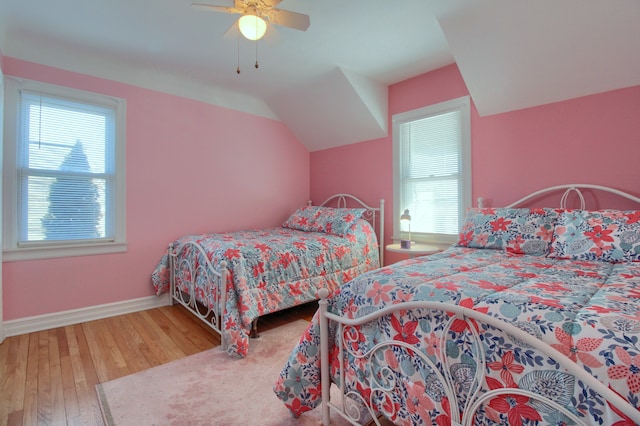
{"x":185,"y":275}
{"x":375,"y":215}
{"x":476,"y":396}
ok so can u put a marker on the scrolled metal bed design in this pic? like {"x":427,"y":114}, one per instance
{"x":228,"y":280}
{"x":503,"y":333}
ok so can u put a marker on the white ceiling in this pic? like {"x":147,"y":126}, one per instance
{"x":329,"y":84}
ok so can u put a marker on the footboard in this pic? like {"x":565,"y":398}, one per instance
{"x":448,"y":376}
{"x":198,"y":285}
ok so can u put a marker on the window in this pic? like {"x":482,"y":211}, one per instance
{"x":64,"y":172}
{"x":432,"y":169}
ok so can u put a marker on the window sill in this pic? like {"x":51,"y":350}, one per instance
{"x":13,"y":255}
{"x":441,"y":241}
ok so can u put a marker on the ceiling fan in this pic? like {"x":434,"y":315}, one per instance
{"x":255,"y":13}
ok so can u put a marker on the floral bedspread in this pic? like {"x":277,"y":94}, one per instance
{"x":588,"y":310}
{"x":273,"y":269}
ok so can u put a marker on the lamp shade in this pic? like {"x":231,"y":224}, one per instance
{"x":252,"y":27}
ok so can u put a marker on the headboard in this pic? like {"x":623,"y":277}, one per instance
{"x":569,"y":189}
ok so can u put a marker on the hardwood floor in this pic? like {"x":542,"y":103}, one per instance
{"x":49,"y":377}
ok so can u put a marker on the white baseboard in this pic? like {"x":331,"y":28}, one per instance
{"x":76,"y":316}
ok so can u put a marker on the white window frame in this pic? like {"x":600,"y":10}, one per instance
{"x":2,"y":80}
{"x":53,"y":249}
{"x":464,"y":105}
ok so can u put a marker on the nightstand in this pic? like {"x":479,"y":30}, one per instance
{"x":416,"y":249}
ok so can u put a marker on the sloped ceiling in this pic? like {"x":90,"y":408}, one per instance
{"x":329,"y":84}
{"x":333,"y":109}
{"x":516,"y":54}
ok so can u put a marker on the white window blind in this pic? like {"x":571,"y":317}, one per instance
{"x":432,"y":168}
{"x":66,"y":170}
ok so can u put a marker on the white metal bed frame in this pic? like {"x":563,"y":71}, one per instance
{"x":476,"y":397}
{"x":217,"y":274}
{"x":575,"y":188}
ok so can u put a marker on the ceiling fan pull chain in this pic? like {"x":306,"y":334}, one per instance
{"x":257,"y":45}
{"x":238,"y":69}
{"x":257,"y":54}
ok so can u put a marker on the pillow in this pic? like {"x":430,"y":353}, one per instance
{"x":609,"y":235}
{"x":304,"y":219}
{"x":324,"y":219}
{"x":521,"y":231}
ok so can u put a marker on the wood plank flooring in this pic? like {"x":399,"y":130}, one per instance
{"x":49,"y":377}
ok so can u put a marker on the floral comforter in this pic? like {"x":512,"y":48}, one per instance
{"x":274,"y":269}
{"x":588,"y":310}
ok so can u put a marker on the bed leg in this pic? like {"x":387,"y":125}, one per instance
{"x":324,"y":356}
{"x":254,"y":329}
{"x":172,"y":277}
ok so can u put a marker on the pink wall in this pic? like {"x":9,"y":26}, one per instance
{"x":177,"y":149}
{"x":593,"y":139}
{"x":191,"y":167}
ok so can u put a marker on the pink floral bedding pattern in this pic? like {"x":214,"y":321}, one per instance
{"x":609,"y":235}
{"x":274,"y":269}
{"x":588,"y":310}
{"x":330,"y":220}
{"x":523,"y":231}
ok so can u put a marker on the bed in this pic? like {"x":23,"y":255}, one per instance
{"x":269,"y":270}
{"x":532,"y":318}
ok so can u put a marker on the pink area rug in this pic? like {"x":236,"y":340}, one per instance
{"x":210,"y":388}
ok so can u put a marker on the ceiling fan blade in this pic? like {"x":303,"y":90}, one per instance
{"x":212,"y":8}
{"x":232,"y":33}
{"x":289,"y":19}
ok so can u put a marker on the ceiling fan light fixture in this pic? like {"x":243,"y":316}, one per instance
{"x":252,"y":27}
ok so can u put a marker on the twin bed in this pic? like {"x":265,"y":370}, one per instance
{"x":229,"y":280}
{"x":532,"y":318}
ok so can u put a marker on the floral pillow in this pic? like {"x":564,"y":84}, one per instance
{"x":323,"y":219}
{"x":304,"y":219}
{"x":609,"y":235}
{"x":521,"y":231}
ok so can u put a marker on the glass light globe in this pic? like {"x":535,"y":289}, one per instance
{"x":252,"y":27}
